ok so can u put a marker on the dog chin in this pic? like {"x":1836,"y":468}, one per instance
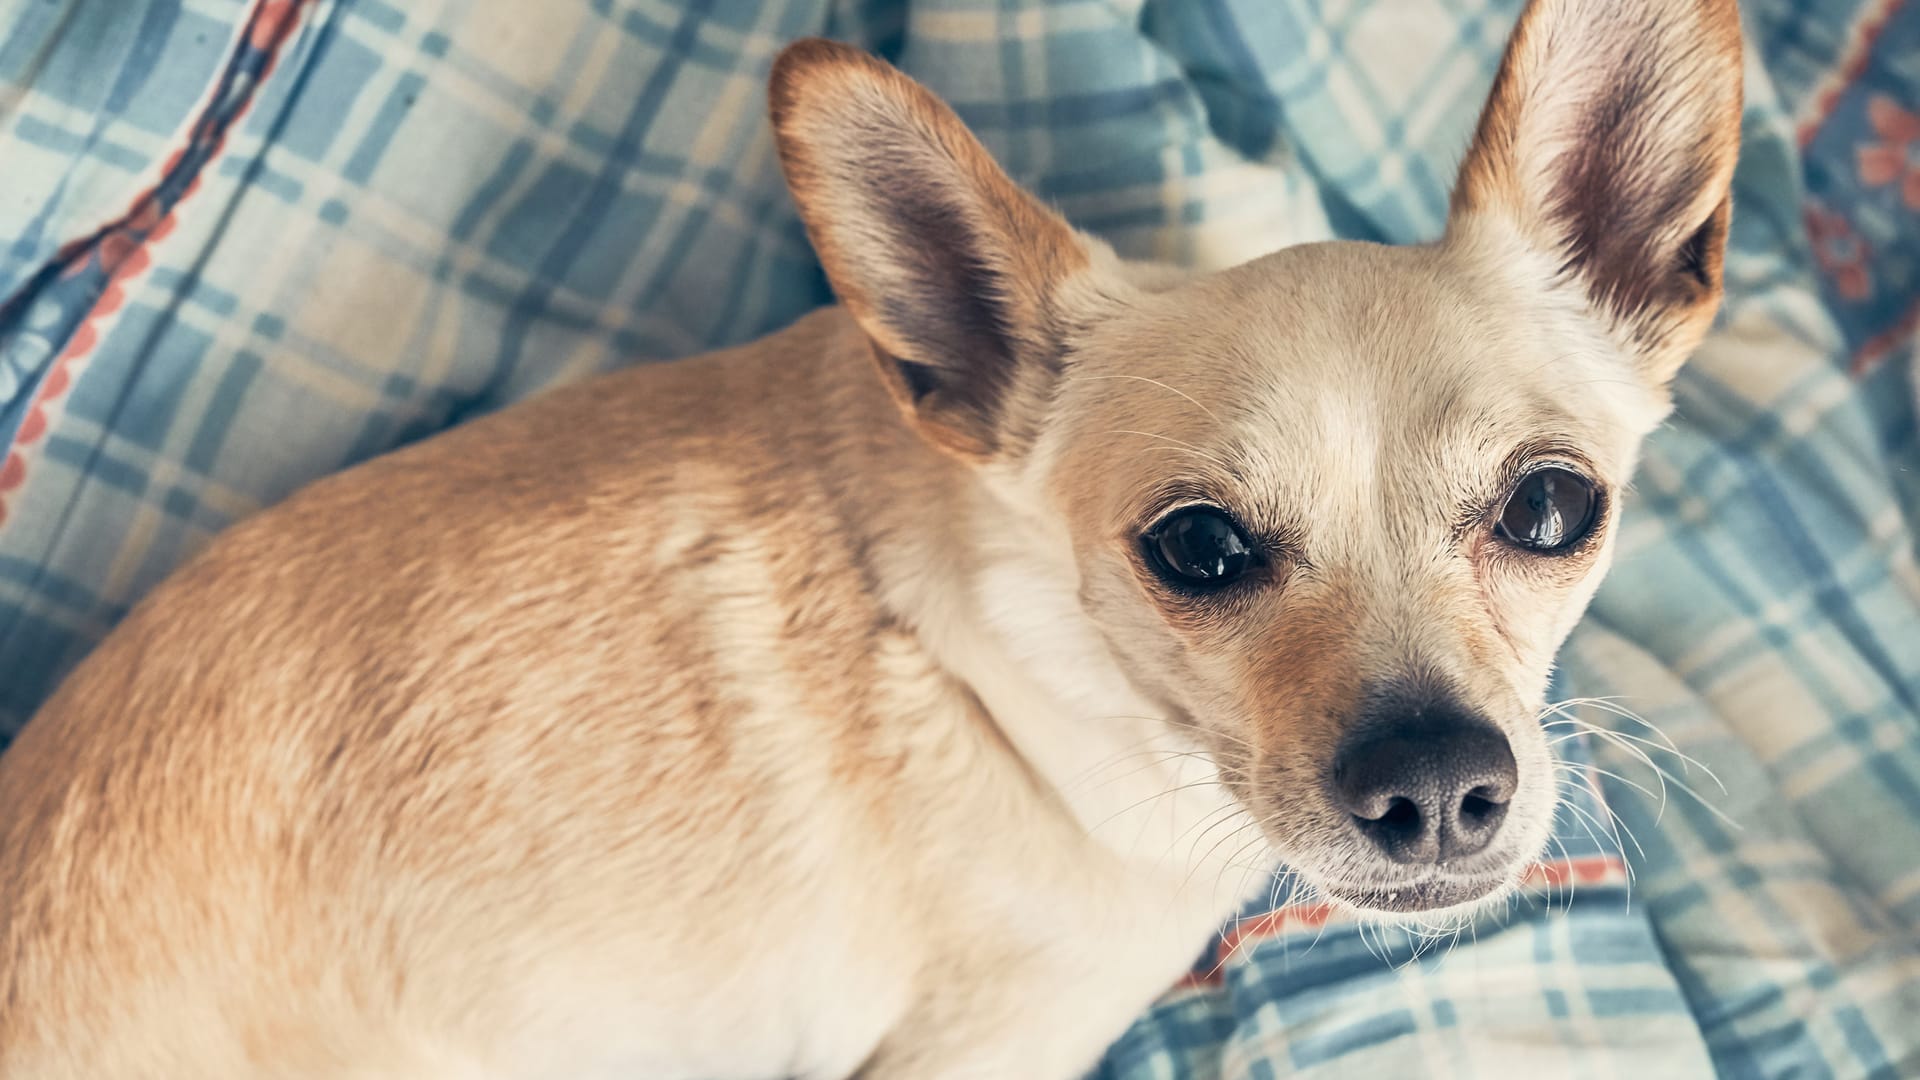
{"x":1459,"y":897}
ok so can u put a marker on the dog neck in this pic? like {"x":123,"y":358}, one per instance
{"x":986,"y":580}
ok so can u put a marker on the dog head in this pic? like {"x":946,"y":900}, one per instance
{"x":1333,"y":510}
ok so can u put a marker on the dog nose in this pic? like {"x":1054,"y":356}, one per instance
{"x":1428,"y":792}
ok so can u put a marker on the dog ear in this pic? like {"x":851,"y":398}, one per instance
{"x":954,"y":273}
{"x":1608,"y":143}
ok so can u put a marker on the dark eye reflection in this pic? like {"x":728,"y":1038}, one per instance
{"x":1198,"y":548}
{"x":1551,"y":509}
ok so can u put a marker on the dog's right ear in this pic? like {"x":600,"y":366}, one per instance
{"x":954,"y":273}
{"x":1608,"y":146}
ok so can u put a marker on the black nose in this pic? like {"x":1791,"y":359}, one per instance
{"x":1429,"y":791}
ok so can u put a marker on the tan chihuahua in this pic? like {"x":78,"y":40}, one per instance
{"x":905,"y":694}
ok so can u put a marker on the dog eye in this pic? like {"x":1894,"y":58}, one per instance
{"x":1549,"y":510}
{"x":1199,"y":548}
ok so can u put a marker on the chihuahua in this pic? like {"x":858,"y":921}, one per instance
{"x":909,"y":694}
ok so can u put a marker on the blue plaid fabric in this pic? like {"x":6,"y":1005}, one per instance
{"x":244,"y":243}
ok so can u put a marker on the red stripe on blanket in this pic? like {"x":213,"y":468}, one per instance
{"x":1875,"y":349}
{"x":1854,"y":54}
{"x":123,"y":244}
{"x":1248,"y":932}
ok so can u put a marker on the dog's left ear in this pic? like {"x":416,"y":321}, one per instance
{"x":955,"y":274}
{"x":1608,"y":144}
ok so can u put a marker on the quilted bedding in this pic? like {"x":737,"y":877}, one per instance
{"x":244,"y":243}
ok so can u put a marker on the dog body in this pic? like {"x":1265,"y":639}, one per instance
{"x":756,"y":716}
{"x":689,"y":746}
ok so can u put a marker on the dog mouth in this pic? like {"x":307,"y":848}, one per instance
{"x":1432,"y":894}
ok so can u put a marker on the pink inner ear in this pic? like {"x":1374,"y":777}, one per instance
{"x":951,"y":270}
{"x":1609,"y":139}
{"x":1629,"y":223}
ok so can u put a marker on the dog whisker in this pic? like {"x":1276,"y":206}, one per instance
{"x":1208,"y":857}
{"x":1188,"y":447}
{"x":1605,"y":735}
{"x":1212,"y":821}
{"x":1572,"y":883}
{"x":1196,"y":731}
{"x":1175,"y":790}
{"x":1612,"y":706}
{"x":1588,"y":823}
{"x":1155,"y":382}
{"x":1239,"y":940}
{"x":1610,"y":774}
{"x":1665,"y":742}
{"x":1161,"y":757}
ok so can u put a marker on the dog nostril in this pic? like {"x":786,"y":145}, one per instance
{"x":1479,"y":804}
{"x":1403,"y":831}
{"x":1401,"y":814}
{"x":1481,"y":811}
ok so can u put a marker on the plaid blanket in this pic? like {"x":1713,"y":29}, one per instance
{"x":244,"y":243}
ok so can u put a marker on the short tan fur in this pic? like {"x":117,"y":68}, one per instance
{"x":821,"y":707}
